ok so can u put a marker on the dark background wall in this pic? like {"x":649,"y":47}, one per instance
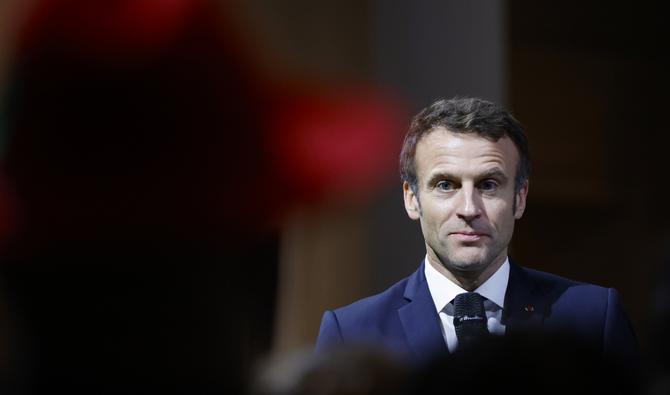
{"x":589,"y":82}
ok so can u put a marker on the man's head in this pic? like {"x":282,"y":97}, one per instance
{"x":465,"y":171}
{"x":465,"y":115}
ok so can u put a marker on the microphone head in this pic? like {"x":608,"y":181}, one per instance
{"x":469,"y":317}
{"x":469,"y":304}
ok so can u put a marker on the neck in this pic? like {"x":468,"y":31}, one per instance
{"x":469,"y":280}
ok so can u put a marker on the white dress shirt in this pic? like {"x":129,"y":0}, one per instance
{"x":444,"y":291}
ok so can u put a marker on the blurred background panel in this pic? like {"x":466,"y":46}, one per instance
{"x":588,"y":82}
{"x":185,"y":186}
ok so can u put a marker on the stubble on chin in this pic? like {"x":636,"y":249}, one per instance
{"x":455,"y":264}
{"x":463,"y":265}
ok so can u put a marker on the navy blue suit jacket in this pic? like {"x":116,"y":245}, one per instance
{"x":403,"y":319}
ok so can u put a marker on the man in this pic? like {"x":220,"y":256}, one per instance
{"x":465,"y":167}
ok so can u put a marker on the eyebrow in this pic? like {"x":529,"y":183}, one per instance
{"x":495,"y":172}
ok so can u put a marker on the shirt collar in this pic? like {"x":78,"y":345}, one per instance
{"x":444,"y":290}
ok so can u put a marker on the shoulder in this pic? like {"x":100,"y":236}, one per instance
{"x":372,"y":320}
{"x":544,"y":282}
{"x":372,"y":306}
{"x":590,"y":311}
{"x":570,"y":301}
{"x":561,"y":300}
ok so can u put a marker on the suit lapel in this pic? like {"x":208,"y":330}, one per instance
{"x":525,"y":305}
{"x":424,"y":336}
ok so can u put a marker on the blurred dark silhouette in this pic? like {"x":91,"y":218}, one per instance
{"x":525,"y":364}
{"x":145,"y":254}
{"x":518,"y":363}
{"x":349,"y":370}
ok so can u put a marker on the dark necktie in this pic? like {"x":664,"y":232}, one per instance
{"x":469,"y":318}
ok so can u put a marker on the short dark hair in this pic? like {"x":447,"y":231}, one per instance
{"x":465,"y":115}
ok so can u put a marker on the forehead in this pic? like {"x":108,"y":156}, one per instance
{"x":445,"y":151}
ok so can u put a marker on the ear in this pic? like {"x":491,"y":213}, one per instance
{"x":411,"y":202}
{"x":521,"y":200}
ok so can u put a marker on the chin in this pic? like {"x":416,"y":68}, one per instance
{"x":470,"y":266}
{"x":466,"y":264}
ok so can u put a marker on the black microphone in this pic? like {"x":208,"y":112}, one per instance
{"x":469,"y":318}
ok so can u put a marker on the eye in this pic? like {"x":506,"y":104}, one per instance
{"x":445,"y":185}
{"x":488,"y":185}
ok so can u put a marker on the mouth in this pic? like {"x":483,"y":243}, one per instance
{"x":468,"y":236}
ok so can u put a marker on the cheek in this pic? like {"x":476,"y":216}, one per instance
{"x":500,"y":213}
{"x":432,"y":218}
{"x":437,"y":213}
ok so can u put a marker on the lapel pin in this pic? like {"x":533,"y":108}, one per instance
{"x":529,"y":308}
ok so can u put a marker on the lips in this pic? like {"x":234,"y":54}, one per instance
{"x":468,"y":236}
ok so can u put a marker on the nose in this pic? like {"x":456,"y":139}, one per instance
{"x":469,"y":205}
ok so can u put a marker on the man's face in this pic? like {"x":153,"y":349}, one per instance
{"x":465,"y":200}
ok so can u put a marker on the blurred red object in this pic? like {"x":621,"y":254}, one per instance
{"x":341,"y":145}
{"x":150,"y":116}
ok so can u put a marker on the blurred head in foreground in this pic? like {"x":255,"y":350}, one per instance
{"x":344,"y":371}
{"x":525,"y":364}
